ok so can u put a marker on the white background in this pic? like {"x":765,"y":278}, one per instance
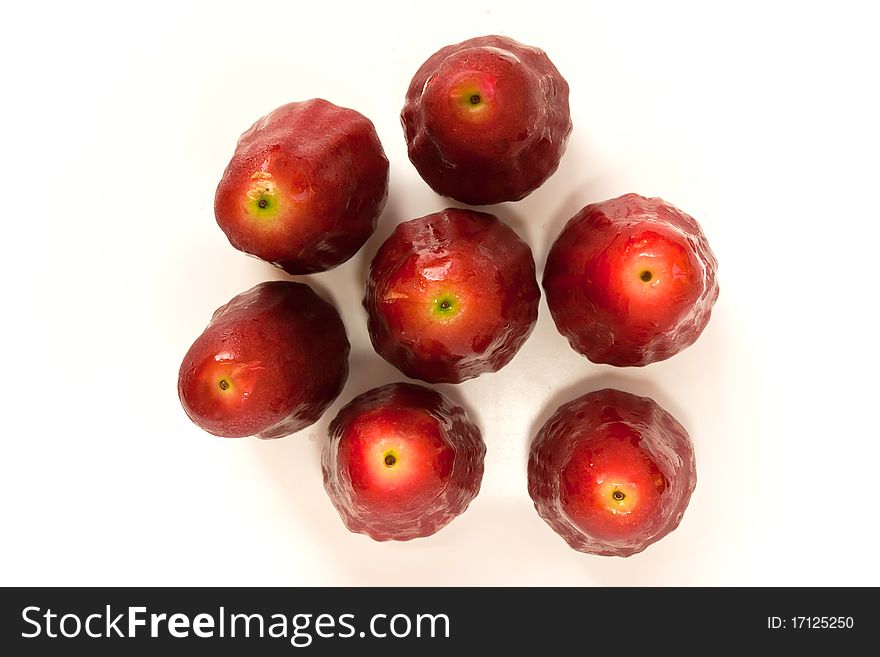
{"x":760,"y":120}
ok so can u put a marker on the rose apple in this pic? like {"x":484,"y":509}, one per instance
{"x":486,"y":120}
{"x":270,"y":363}
{"x":611,"y":472}
{"x":451,"y":295}
{"x":305,"y":187}
{"x":402,"y":461}
{"x":630,"y":281}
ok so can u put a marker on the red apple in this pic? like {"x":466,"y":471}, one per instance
{"x":451,"y":295}
{"x":270,"y":363}
{"x":611,"y":473}
{"x":305,"y":187}
{"x":630,"y":281}
{"x":486,"y":120}
{"x":402,"y":461}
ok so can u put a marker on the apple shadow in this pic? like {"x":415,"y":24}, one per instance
{"x":392,"y":215}
{"x":358,"y":560}
{"x":719,"y":523}
{"x":367,"y":370}
{"x":290,"y":462}
{"x":454,"y":392}
{"x":648,"y":567}
{"x":581,"y":194}
{"x":330,"y":282}
{"x":677,"y":552}
{"x":510,"y":213}
{"x":481,"y":547}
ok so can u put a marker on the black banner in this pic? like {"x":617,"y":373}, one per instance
{"x":278,"y":621}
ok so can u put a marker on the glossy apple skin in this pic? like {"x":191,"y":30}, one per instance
{"x":283,"y":354}
{"x":437,"y":467}
{"x":505,"y":147}
{"x":594,"y":290}
{"x":605,"y":442}
{"x":482,"y":265}
{"x":323,"y":176}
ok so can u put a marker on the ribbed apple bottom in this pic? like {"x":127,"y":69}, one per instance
{"x":281,"y":352}
{"x":422,"y":515}
{"x":590,"y":287}
{"x":321,"y":174}
{"x":472,"y":256}
{"x":658,"y":436}
{"x":512,"y":146}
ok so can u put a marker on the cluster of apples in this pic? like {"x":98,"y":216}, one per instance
{"x":450,"y":296}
